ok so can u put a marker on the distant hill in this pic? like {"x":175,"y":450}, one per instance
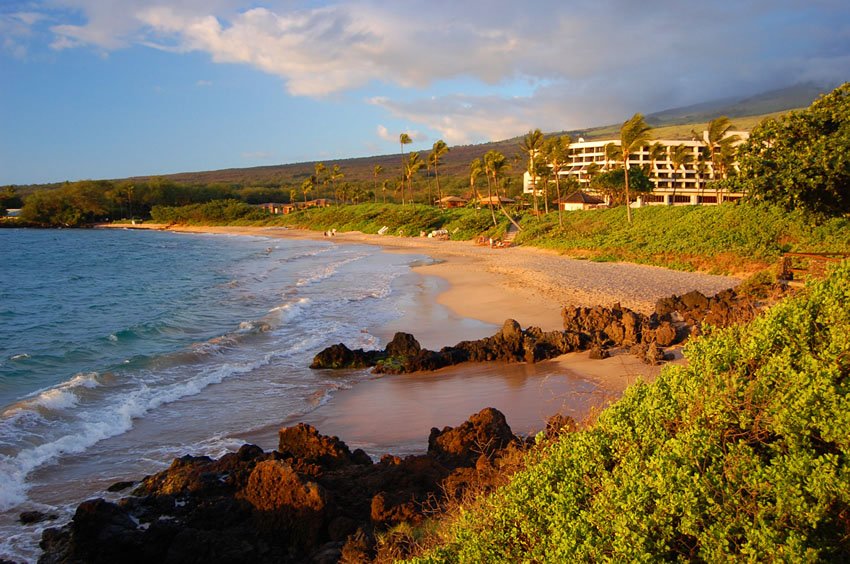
{"x":675,"y":123}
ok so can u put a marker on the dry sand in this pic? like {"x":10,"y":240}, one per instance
{"x":491,"y":285}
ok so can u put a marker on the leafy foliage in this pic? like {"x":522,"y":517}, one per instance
{"x":802,"y":160}
{"x":211,"y":213}
{"x":727,"y":238}
{"x":407,"y":220}
{"x":741,"y":455}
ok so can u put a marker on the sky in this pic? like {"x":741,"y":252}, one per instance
{"x":117,"y":88}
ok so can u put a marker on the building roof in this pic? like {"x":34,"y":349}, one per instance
{"x":448,"y":199}
{"x":579,"y":197}
{"x":497,"y":199}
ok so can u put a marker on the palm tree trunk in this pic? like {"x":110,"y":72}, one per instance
{"x":558,"y":190}
{"x":628,"y":203}
{"x":490,"y":201}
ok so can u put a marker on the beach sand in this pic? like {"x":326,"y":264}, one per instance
{"x":485,"y":286}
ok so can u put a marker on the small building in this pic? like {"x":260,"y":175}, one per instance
{"x":451,"y":202}
{"x":495,"y":200}
{"x":274,"y":208}
{"x":579,"y":200}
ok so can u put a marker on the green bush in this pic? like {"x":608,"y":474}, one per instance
{"x":741,"y":455}
{"x":405,"y":220}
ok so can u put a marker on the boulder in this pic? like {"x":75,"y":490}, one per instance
{"x":340,"y":356}
{"x":285,"y":503}
{"x":304,"y":443}
{"x":403,"y":345}
{"x":484,"y":433}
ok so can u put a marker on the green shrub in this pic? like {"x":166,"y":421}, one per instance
{"x":741,"y":455}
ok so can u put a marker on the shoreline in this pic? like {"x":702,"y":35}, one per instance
{"x":528,"y":284}
{"x":487,"y":286}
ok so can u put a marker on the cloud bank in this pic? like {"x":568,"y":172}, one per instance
{"x":576,"y":64}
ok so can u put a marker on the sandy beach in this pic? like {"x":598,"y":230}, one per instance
{"x":488,"y":286}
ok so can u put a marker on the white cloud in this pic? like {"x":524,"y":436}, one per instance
{"x":204,"y":83}
{"x":588,"y":61}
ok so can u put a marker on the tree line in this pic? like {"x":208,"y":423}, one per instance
{"x":798,"y":161}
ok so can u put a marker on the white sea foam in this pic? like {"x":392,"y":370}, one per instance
{"x":98,"y":423}
{"x":21,"y":356}
{"x":327,"y":271}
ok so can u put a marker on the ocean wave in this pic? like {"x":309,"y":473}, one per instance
{"x":94,"y":423}
{"x":326,"y":271}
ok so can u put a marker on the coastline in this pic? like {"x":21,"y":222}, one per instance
{"x":486,"y":286}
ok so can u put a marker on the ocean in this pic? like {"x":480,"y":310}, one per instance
{"x":123,"y":349}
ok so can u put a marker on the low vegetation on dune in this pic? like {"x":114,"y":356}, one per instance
{"x":734,"y":238}
{"x":728,"y":238}
{"x":740,"y":455}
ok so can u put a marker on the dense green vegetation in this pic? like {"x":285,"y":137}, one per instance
{"x":725,"y":238}
{"x":729,"y":238}
{"x":740,"y":455}
{"x":802,"y":160}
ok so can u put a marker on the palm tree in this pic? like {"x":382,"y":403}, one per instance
{"x":612,"y":153}
{"x":319,"y":169}
{"x":490,"y":159}
{"x":557,"y":155}
{"x":634,"y":134}
{"x":403,"y":139}
{"x":476,"y":169}
{"x":336,"y":174}
{"x":376,"y":172}
{"x":531,"y":145}
{"x":591,"y":170}
{"x":497,"y":164}
{"x":716,"y":134}
{"x":657,"y":151}
{"x":413,"y":165}
{"x":680,"y":155}
{"x":307,"y":186}
{"x":437,"y":151}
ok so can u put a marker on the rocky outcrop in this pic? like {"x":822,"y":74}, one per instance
{"x":596,"y":329}
{"x":311,"y":500}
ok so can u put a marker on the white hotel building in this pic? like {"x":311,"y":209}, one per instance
{"x":688,"y":188}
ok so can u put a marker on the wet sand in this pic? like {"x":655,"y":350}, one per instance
{"x":482,"y":287}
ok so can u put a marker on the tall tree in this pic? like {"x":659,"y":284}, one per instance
{"x":557,"y":155}
{"x":491,"y":158}
{"x":376,"y":172}
{"x":634,"y":134}
{"x":403,"y":139}
{"x":414,"y":164}
{"x":476,"y":169}
{"x":680,"y":156}
{"x":319,"y":170}
{"x":437,"y":151}
{"x":335,"y":175}
{"x":307,"y":186}
{"x":613,"y":154}
{"x":715,"y":137}
{"x":531,"y":145}
{"x":657,"y":151}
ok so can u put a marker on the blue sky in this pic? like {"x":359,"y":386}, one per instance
{"x":116,"y":88}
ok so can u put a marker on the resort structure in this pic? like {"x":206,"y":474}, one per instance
{"x":683,"y":186}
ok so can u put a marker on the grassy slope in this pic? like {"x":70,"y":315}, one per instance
{"x":730,"y":238}
{"x":741,"y":455}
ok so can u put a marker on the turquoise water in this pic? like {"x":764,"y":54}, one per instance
{"x":122,"y":349}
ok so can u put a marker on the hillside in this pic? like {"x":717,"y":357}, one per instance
{"x":675,"y":123}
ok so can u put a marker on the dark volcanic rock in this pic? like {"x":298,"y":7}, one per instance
{"x":340,"y":356}
{"x":403,"y":345}
{"x":33,"y":517}
{"x":296,"y":505}
{"x":484,"y":433}
{"x":304,"y":443}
